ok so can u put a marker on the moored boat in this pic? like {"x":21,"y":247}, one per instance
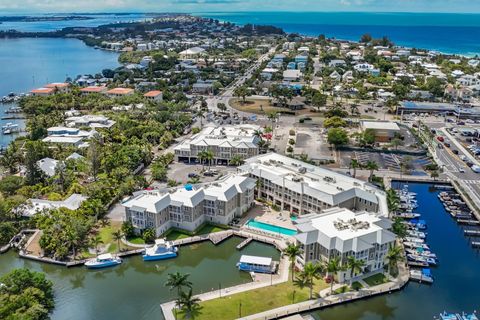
{"x":424,"y":275}
{"x":162,"y":249}
{"x":103,"y":261}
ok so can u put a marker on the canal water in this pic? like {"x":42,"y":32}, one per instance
{"x":29,"y":63}
{"x":457,"y":277}
{"x":135,"y":289}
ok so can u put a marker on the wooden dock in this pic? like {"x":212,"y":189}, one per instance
{"x":244,"y":243}
{"x":472,"y":233}
{"x":470,"y":222}
{"x":219,"y":237}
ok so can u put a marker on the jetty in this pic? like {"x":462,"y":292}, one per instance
{"x":244,"y":243}
{"x":472,"y":233}
{"x":476,"y":244}
{"x":469,"y":222}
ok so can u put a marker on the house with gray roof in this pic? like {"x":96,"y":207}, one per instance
{"x":302,"y":188}
{"x":189,"y":207}
{"x":339,"y":232}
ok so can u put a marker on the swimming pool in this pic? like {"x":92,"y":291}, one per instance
{"x":270,"y":228}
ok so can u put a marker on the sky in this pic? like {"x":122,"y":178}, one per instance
{"x":193,"y":6}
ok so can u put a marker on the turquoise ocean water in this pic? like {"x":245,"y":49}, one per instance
{"x":445,"y":32}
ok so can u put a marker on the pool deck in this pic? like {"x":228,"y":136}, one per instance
{"x":263,"y":213}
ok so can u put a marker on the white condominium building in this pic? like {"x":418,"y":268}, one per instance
{"x":190,"y":206}
{"x":303,"y":188}
{"x":339,"y":232}
{"x":224,"y":141}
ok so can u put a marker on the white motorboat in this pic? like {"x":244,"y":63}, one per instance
{"x":417,"y":258}
{"x":417,"y":234}
{"x":415,"y":245}
{"x":422,"y":252}
{"x":103,"y":261}
{"x":162,"y":249}
{"x":414,"y":239}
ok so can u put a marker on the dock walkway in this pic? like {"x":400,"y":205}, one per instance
{"x":244,"y":243}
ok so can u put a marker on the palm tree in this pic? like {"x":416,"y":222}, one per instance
{"x":355,"y":265}
{"x":202,"y":156}
{"x":178,"y":281}
{"x":209,"y":155}
{"x":434,"y":174}
{"x":354,"y":164}
{"x":393,"y":256}
{"x":309,"y":273}
{"x":95,"y":242}
{"x":236,"y":161}
{"x":188,"y":304}
{"x":372,"y":166}
{"x":117,"y":236}
{"x":201,"y":115}
{"x":333,"y":266}
{"x":292,"y":251}
{"x":393,"y":200}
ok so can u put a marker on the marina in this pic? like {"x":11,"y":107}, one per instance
{"x":138,"y":282}
{"x":455,"y":277}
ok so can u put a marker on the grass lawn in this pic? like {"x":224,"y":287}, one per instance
{"x":136,"y":240}
{"x":206,"y":229}
{"x":376,"y":279}
{"x":342,"y":290}
{"x":255,"y":301}
{"x":106,"y":234}
{"x":253,"y":106}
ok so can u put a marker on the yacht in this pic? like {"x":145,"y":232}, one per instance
{"x":415,"y":245}
{"x":414,"y":239}
{"x":417,"y":258}
{"x":421,"y":252}
{"x":10,"y":128}
{"x":417,"y":234}
{"x":103,"y":261}
{"x":162,"y":249}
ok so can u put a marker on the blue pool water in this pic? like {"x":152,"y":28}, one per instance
{"x":270,"y":228}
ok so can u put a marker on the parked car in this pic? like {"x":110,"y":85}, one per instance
{"x":440,"y":138}
{"x":455,"y":151}
{"x":193,"y":175}
{"x":447,"y":144}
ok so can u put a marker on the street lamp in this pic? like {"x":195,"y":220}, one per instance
{"x":293,"y":297}
{"x":240,"y":309}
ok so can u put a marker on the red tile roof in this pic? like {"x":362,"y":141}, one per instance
{"x":94,"y":89}
{"x":120,"y":91}
{"x":42,"y":90}
{"x":152,"y":94}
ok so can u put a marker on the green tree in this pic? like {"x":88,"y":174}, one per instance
{"x":148,"y":235}
{"x":333,"y":267}
{"x":236,"y":161}
{"x":241,"y":92}
{"x":95,"y":242}
{"x":354,"y":164}
{"x":319,"y":100}
{"x":393,"y":257}
{"x":372,"y":166}
{"x":10,"y":184}
{"x":399,"y":228}
{"x":189,"y":305}
{"x":117,"y":235}
{"x":292,"y":251}
{"x":368,"y":137}
{"x":355,"y":266}
{"x":309,"y":273}
{"x":334,"y":122}
{"x":128,"y":229}
{"x":337,"y":137}
{"x":178,"y":281}
{"x":25,"y":294}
